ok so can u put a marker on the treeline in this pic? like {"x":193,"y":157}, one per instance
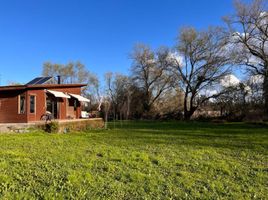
{"x":192,"y":79}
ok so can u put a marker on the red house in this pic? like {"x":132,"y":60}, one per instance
{"x":27,"y":103}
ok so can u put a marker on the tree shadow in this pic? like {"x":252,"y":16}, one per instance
{"x":231,"y":135}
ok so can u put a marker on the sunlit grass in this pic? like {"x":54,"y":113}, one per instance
{"x":138,"y":160}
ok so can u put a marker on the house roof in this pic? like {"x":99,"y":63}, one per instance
{"x":39,"y":86}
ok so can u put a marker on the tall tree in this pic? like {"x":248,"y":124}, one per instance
{"x":117,"y":90}
{"x":249,"y":30}
{"x":202,"y":64}
{"x":150,"y":72}
{"x":74,"y":72}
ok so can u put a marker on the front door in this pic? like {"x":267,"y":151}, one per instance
{"x":52,"y":106}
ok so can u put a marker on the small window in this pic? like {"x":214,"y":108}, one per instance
{"x":21,"y":105}
{"x":32,"y":104}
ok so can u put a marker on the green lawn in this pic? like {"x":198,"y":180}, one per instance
{"x":138,"y":160}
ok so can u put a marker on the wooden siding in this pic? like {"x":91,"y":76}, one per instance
{"x":9,"y":107}
{"x":9,"y":104}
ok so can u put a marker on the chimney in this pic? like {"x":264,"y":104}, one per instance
{"x":59,"y":79}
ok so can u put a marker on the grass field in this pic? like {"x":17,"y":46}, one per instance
{"x":138,"y":160}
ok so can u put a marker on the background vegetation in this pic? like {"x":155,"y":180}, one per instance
{"x":194,"y":78}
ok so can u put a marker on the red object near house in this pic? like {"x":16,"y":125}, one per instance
{"x":28,"y":103}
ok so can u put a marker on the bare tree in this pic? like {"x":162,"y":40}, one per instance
{"x":72,"y":72}
{"x":106,"y":108}
{"x":249,"y":29}
{"x":256,"y":95}
{"x":234,"y":104}
{"x":75,"y":72}
{"x":117,"y":91}
{"x":202,"y":62}
{"x":170,"y":104}
{"x":150,"y":73}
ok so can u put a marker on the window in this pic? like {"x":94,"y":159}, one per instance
{"x":75,"y":105}
{"x":32,"y":104}
{"x":21,"y":104}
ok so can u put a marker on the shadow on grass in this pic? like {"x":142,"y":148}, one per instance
{"x":196,"y":141}
{"x":230,"y":135}
{"x":179,"y":125}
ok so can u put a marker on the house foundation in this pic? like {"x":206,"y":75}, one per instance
{"x":64,"y":126}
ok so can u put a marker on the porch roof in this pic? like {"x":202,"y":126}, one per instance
{"x":79,"y":97}
{"x":58,"y":94}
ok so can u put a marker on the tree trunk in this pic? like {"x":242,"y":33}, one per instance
{"x":185,"y":110}
{"x":188,"y":113}
{"x":265,"y":95}
{"x":146,"y":105}
{"x":146,"y":102}
{"x":128,"y":106}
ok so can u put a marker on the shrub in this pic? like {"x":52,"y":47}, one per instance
{"x":52,"y":127}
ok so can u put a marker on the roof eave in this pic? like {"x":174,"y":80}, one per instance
{"x":28,"y":87}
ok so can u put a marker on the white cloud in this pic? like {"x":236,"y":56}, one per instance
{"x":263,"y":14}
{"x":247,"y":89}
{"x":264,"y":18}
{"x":254,"y":60}
{"x":176,"y":57}
{"x":235,"y":37}
{"x":256,"y":79}
{"x":230,"y":80}
{"x":211,"y":92}
{"x":237,"y":45}
{"x":208,"y":93}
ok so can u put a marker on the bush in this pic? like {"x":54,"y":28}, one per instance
{"x":52,"y":127}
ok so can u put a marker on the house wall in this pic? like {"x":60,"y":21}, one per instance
{"x":9,"y":107}
{"x":40,"y":104}
{"x":66,"y":110}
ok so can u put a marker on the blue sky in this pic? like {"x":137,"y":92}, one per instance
{"x":99,"y":33}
